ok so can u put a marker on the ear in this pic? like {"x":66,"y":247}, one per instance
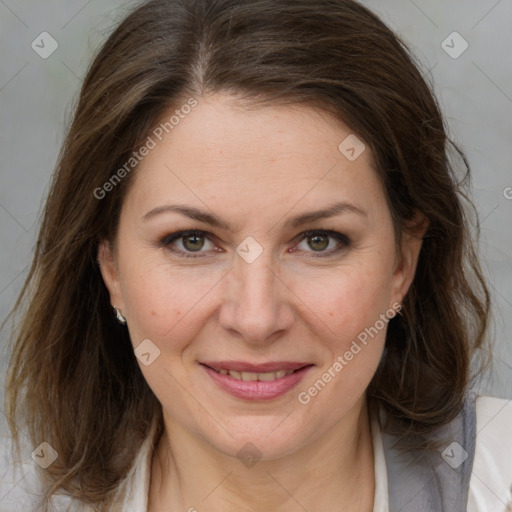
{"x":405,"y":270}
{"x":110,"y":274}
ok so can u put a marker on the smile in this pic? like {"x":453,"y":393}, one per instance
{"x":256,"y":385}
{"x":251,"y":376}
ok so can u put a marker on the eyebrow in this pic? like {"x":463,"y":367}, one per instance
{"x":294,"y":222}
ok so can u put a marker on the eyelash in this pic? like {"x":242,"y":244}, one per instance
{"x":342,"y":239}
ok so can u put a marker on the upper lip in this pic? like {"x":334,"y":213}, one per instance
{"x":243,"y":366}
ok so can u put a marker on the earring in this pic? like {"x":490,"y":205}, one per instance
{"x":120,"y":318}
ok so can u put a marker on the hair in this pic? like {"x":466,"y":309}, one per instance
{"x":73,"y":379}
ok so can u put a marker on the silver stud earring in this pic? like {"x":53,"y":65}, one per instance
{"x":120,"y":318}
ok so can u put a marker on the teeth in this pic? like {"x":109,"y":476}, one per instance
{"x":268,"y":376}
{"x":251,"y":376}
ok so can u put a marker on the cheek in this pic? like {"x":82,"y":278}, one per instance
{"x":346,"y":300}
{"x":162,"y":303}
{"x":356,"y":310}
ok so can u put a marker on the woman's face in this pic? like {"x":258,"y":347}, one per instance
{"x":249,"y":290}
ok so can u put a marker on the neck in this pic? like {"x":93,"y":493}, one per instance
{"x":335,"y":472}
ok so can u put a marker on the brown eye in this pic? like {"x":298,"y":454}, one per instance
{"x":318,"y":242}
{"x":193,"y":242}
{"x":185,"y":243}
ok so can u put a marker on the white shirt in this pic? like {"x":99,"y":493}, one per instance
{"x":490,"y":484}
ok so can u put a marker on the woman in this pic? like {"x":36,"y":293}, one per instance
{"x":254,"y":286}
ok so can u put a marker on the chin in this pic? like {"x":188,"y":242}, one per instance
{"x":266,"y":438}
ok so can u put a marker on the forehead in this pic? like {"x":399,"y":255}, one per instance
{"x":258,"y":157}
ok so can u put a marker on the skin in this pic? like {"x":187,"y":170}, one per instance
{"x":256,"y":169}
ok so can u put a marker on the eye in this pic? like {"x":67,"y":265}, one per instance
{"x":190,"y":242}
{"x":194,"y":241}
{"x":320,"y":240}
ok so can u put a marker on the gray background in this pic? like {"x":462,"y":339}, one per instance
{"x":475,"y":91}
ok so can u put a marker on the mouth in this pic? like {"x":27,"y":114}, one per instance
{"x":256,"y":382}
{"x":242,"y":370}
{"x":252,"y":376}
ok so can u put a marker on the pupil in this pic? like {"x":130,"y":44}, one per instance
{"x":193,"y":237}
{"x":316,"y":238}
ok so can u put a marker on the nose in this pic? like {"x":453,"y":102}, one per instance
{"x":257,"y":305}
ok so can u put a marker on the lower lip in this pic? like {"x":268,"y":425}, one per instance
{"x":256,"y":389}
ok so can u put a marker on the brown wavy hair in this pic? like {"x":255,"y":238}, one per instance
{"x":73,"y":379}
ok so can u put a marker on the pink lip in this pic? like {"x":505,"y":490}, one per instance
{"x":257,"y":390}
{"x":242,"y":366}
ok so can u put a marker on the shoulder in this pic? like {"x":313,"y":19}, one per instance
{"x":491,"y":478}
{"x":20,"y":481}
{"x":21,"y":486}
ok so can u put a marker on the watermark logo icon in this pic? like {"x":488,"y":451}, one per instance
{"x":249,"y":249}
{"x":454,"y":45}
{"x":44,"y":455}
{"x":147,"y":352}
{"x":351,"y":148}
{"x":454,"y":455}
{"x":249,"y":454}
{"x":44,"y":45}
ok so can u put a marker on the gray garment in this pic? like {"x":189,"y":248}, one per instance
{"x":420,"y":481}
{"x":433,"y":480}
